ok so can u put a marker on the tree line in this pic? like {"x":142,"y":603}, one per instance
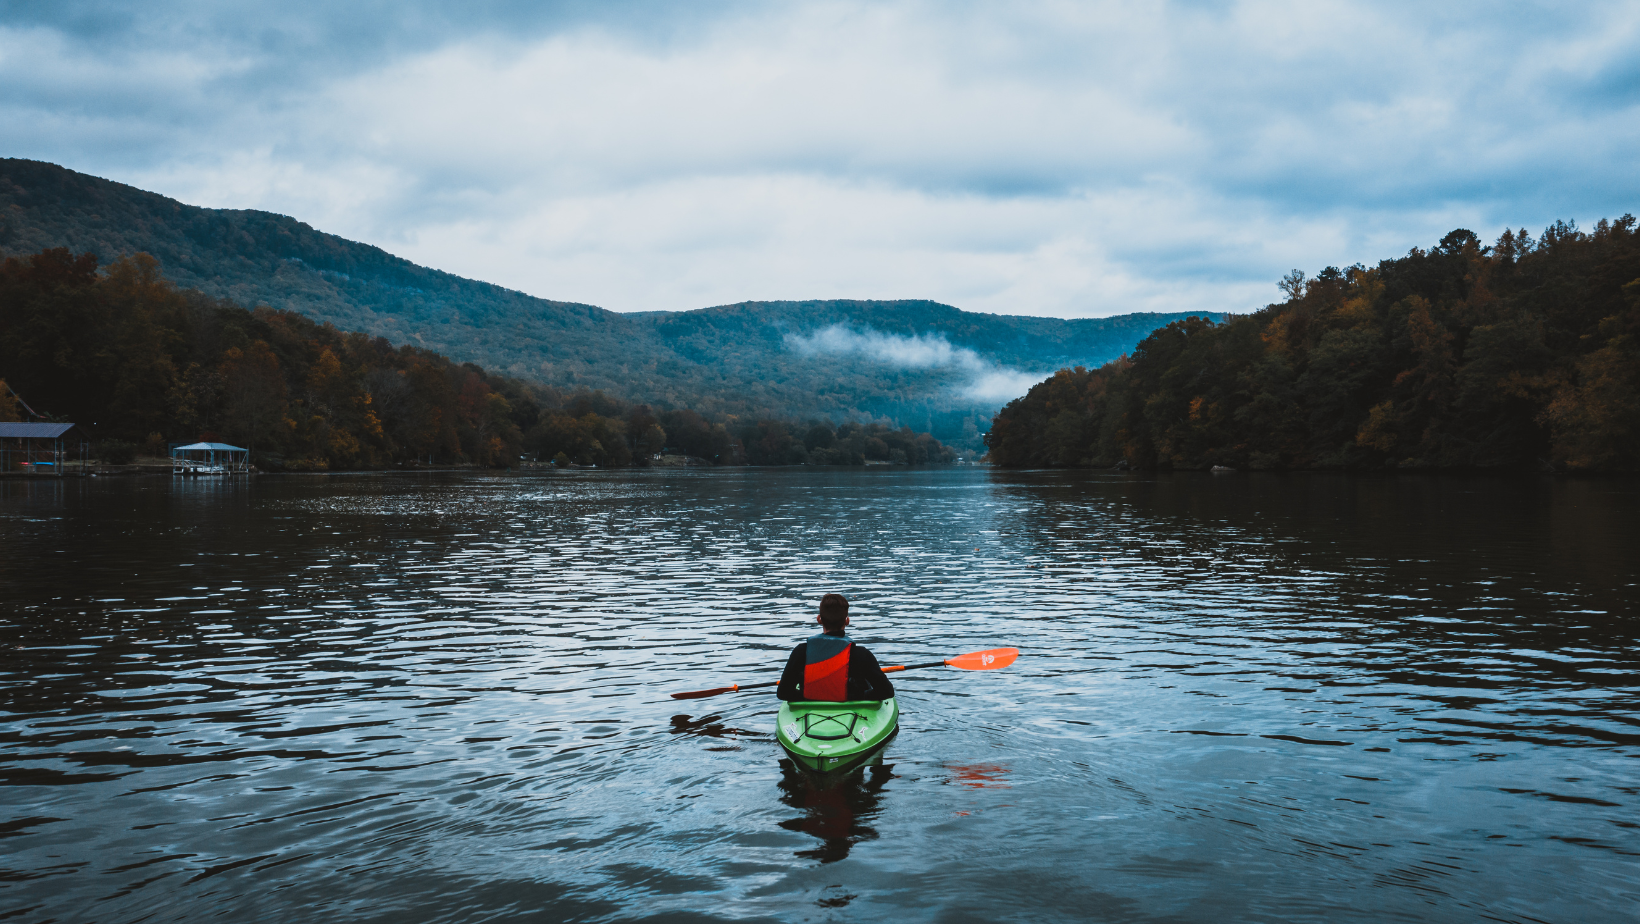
{"x":1524,"y":355}
{"x":142,"y":364}
{"x":592,"y":428}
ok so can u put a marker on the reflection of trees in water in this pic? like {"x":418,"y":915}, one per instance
{"x":835,"y":807}
{"x":1408,"y":558}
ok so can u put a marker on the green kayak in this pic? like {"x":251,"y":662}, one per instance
{"x":834,"y":736}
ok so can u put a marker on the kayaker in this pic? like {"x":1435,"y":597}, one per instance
{"x":830,"y":667}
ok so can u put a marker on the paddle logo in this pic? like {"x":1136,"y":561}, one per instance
{"x":987,"y":658}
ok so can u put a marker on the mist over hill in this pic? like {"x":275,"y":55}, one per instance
{"x":918,"y":363}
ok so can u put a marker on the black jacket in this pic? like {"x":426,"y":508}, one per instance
{"x":865,"y":677}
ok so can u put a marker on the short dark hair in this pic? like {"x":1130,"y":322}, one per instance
{"x":833,"y":611}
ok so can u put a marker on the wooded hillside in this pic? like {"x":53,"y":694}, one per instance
{"x":727,"y":360}
{"x":140,"y":363}
{"x":1524,"y":355}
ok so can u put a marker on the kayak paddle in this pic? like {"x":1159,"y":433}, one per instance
{"x":988,"y":660}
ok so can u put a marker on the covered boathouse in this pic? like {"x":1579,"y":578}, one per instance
{"x":41,"y":448}
{"x":210,"y":459}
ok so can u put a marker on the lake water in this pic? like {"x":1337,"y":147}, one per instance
{"x":1241,"y":697}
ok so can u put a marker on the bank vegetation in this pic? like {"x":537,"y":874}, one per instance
{"x":1523,"y":355}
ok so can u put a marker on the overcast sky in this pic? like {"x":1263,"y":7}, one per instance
{"x":1068,"y":159}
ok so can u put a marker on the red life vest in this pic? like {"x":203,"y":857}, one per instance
{"x":825,"y":675}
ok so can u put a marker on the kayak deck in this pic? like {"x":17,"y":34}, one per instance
{"x":832,"y":736}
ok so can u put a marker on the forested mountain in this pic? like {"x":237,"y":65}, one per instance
{"x":1524,"y":356}
{"x":139,"y":364}
{"x":746,"y":359}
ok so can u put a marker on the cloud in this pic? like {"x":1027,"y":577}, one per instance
{"x":985,"y":382}
{"x":1058,"y":159}
{"x":1001,"y":386}
{"x":919,"y":351}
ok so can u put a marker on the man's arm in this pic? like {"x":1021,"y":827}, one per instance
{"x":865,"y":678}
{"x":791,"y":681}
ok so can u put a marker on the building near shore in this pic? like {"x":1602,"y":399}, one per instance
{"x":41,"y":448}
{"x":210,"y":459}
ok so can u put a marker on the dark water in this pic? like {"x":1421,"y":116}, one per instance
{"x":1241,"y":698}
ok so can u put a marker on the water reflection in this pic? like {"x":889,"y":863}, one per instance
{"x":442,"y":698}
{"x":836,"y":807}
{"x":711,"y":726}
{"x":980,"y":776}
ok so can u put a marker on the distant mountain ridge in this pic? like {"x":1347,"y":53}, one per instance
{"x":752,"y":357}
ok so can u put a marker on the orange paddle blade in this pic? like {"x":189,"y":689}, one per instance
{"x":984,"y":660}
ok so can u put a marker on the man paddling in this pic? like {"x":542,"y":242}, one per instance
{"x":829,"y":667}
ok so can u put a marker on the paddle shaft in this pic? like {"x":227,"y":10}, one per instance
{"x":906,"y":667}
{"x":735,"y":688}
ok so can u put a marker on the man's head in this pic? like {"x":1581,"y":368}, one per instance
{"x":833,"y":612}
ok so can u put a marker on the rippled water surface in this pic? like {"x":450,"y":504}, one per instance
{"x":443,"y":698}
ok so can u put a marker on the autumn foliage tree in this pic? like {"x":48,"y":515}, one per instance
{"x":9,"y":409}
{"x":1523,"y":355}
{"x":124,"y":353}
{"x":253,"y":393}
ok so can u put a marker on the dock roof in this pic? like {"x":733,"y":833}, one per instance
{"x":36,"y":431}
